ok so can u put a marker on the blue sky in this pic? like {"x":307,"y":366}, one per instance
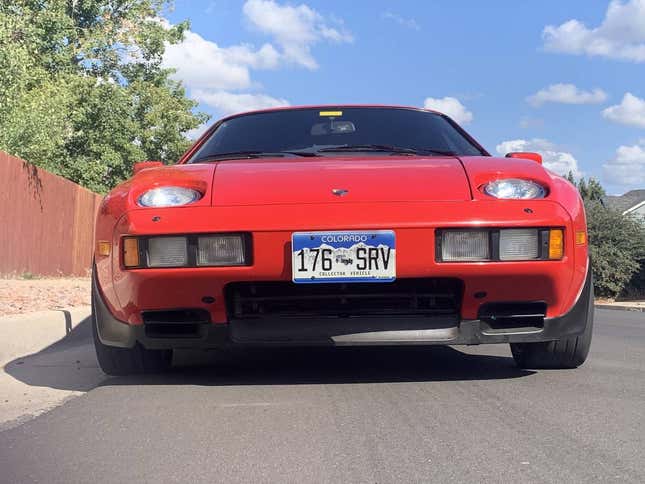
{"x":563,"y":78}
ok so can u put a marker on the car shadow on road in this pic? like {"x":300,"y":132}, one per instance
{"x":70,"y":364}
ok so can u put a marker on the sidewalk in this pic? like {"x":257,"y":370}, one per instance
{"x":46,"y":357}
{"x":620,"y":305}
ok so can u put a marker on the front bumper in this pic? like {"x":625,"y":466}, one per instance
{"x":128,"y":293}
{"x":443,"y":330}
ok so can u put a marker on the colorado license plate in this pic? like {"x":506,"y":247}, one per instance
{"x":366,"y":256}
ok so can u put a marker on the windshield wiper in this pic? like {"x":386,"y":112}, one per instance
{"x":384,"y":148}
{"x":370,"y":147}
{"x":438,"y":152}
{"x":249,"y":154}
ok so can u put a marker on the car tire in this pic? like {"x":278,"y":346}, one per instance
{"x":565,"y":353}
{"x":128,"y":361}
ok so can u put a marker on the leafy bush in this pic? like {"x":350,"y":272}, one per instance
{"x":635,"y":288}
{"x":616,"y":244}
{"x":617,"y":247}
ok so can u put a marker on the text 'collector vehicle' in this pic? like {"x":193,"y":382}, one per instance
{"x":343,"y":225}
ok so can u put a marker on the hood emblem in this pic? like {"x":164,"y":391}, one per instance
{"x":339,"y":192}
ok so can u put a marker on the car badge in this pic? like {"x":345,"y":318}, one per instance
{"x":339,"y":191}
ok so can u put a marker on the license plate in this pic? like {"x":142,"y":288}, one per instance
{"x":366,"y":256}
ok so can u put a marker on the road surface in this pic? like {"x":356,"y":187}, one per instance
{"x":349,"y":415}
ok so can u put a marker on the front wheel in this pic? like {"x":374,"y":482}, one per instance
{"x":564,"y":353}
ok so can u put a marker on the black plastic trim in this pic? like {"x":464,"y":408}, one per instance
{"x":116,"y":333}
{"x":110,"y":330}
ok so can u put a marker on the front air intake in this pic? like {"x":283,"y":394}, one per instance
{"x":175,"y":323}
{"x":512,"y":317}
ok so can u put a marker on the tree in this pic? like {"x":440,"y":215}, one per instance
{"x":616,"y":241}
{"x":83,"y":91}
{"x":590,"y":190}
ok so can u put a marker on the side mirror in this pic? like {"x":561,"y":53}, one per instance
{"x":142,"y":165}
{"x":537,"y":157}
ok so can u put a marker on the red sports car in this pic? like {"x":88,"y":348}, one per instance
{"x":341,"y":225}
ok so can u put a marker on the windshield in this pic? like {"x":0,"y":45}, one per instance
{"x":327,"y":132}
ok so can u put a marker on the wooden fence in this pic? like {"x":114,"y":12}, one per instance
{"x":46,"y":221}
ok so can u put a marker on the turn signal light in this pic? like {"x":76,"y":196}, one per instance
{"x":130,"y":252}
{"x":103,"y":247}
{"x":581,"y":237}
{"x":556,"y":244}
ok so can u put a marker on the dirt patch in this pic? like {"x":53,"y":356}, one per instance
{"x":24,"y":296}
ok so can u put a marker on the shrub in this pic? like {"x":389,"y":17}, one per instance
{"x":617,"y":247}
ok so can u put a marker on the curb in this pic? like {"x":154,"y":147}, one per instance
{"x":25,"y":334}
{"x":620,"y":308}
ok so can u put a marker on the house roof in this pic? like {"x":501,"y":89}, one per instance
{"x":626,"y":201}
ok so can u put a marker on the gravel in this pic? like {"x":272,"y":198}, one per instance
{"x":27,"y":295}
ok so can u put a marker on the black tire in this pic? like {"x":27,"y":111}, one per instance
{"x":128,"y":361}
{"x":560,"y":354}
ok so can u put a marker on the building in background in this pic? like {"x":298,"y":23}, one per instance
{"x":632,"y":202}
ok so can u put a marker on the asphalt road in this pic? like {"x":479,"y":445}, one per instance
{"x":350,"y":415}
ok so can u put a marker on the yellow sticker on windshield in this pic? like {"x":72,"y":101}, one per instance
{"x":331,"y":113}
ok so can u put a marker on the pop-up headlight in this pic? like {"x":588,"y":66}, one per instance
{"x":169,"y":197}
{"x":514,"y":188}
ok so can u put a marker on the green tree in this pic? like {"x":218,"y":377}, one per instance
{"x":83,"y":91}
{"x":590,"y":190}
{"x":616,"y":241}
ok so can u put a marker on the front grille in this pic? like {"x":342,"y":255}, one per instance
{"x":404,"y":297}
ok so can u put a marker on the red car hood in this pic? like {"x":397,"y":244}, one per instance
{"x":312,"y":180}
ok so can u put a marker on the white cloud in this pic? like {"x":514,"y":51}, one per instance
{"x":560,"y":162}
{"x":230,"y":103}
{"x":264,"y":58}
{"x":627,"y":168}
{"x":210,"y":72}
{"x":409,"y":23}
{"x":202,"y":64}
{"x":566,"y":94}
{"x":215,"y":75}
{"x":630,"y":111}
{"x":621,"y":35}
{"x":450,"y":106}
{"x":295,"y":28}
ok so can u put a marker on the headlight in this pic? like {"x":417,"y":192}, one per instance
{"x":167,"y":251}
{"x":465,"y":245}
{"x":169,"y":197}
{"x":518,"y":244}
{"x":220,"y":250}
{"x":190,"y":250}
{"x":514,"y":188}
{"x":494,"y":244}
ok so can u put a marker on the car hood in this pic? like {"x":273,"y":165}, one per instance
{"x":314,"y":180}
